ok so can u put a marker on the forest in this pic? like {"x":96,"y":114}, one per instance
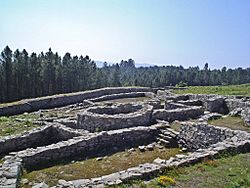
{"x":24,"y":75}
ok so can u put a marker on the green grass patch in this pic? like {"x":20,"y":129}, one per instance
{"x":235,"y":123}
{"x":227,"y":172}
{"x":17,"y":124}
{"x":243,"y":90}
{"x":92,"y":168}
{"x":176,"y":125}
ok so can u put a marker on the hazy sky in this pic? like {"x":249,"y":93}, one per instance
{"x":163,"y":32}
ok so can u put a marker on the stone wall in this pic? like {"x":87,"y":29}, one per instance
{"x":238,"y":143}
{"x":37,"y":137}
{"x":119,"y":116}
{"x":178,"y":114}
{"x":195,"y":136}
{"x":120,"y":96}
{"x":245,"y":115}
{"x":31,"y":105}
{"x":85,"y":146}
{"x":191,"y":102}
{"x":170,"y":105}
{"x":10,"y":172}
{"x":213,"y":103}
{"x":233,"y":103}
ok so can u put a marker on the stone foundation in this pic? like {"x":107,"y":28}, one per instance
{"x":195,"y":136}
{"x":178,"y":114}
{"x":120,"y":96}
{"x":31,"y":105}
{"x":119,"y":116}
{"x":240,"y":142}
{"x":45,"y":135}
{"x":86,"y":146}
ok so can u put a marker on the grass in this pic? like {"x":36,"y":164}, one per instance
{"x":243,"y":89}
{"x":176,"y":125}
{"x":235,"y":123}
{"x":92,"y":168}
{"x":16,"y":124}
{"x":227,"y":172}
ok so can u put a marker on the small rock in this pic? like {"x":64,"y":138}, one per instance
{"x":41,"y":185}
{"x":61,"y":172}
{"x":141,"y":148}
{"x":99,"y":158}
{"x":64,"y":183}
{"x":67,"y":111}
{"x":150,"y":147}
{"x":24,"y":181}
{"x":159,"y":161}
{"x":183,"y":149}
{"x":131,"y":150}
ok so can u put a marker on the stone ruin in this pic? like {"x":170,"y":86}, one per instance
{"x":104,"y":118}
{"x":97,"y":129}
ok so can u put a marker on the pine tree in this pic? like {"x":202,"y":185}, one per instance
{"x":6,"y":61}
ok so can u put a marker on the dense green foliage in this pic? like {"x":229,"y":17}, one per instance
{"x":25,"y":76}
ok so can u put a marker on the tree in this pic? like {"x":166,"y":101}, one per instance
{"x":115,"y":81}
{"x":23,"y":75}
{"x":6,"y":61}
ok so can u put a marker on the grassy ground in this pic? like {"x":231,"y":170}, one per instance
{"x":235,"y":123}
{"x":243,"y":90}
{"x":16,"y":124}
{"x":227,"y":172}
{"x":93,"y":168}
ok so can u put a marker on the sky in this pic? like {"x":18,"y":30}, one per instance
{"x":159,"y":32}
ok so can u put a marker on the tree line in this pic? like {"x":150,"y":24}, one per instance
{"x":24,"y":75}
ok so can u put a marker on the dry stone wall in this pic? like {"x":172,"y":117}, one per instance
{"x":121,"y":95}
{"x":233,"y":103}
{"x":31,"y":105}
{"x":178,"y":114}
{"x":119,"y":116}
{"x":195,"y":136}
{"x":45,"y":135}
{"x":87,"y":146}
{"x":238,"y":143}
{"x":213,"y":103}
{"x":10,"y":171}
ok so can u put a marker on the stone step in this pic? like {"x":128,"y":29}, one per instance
{"x":167,"y":133}
{"x":173,"y":131}
{"x":166,"y":137}
{"x":163,"y":142}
